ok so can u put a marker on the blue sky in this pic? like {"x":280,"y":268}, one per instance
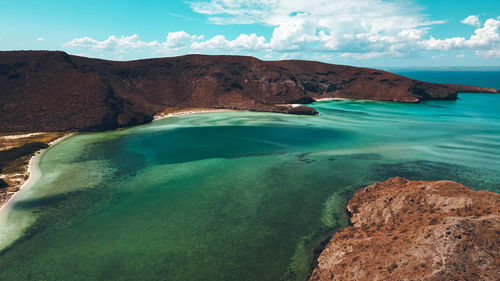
{"x":361,"y":32}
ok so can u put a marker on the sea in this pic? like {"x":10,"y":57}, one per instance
{"x":236,"y":195}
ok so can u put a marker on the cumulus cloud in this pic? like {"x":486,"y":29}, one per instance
{"x":174,"y":42}
{"x":472,"y":20}
{"x":294,"y":33}
{"x":40,"y":39}
{"x":113,"y":43}
{"x":243,"y":42}
{"x":359,"y":29}
{"x":362,"y":29}
{"x":180,"y":39}
{"x":486,"y":37}
{"x":341,"y":25}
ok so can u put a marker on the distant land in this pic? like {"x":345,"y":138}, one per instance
{"x":52,"y":91}
{"x":443,"y":68}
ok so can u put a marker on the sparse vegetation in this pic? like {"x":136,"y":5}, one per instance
{"x":15,"y":152}
{"x":12,"y":158}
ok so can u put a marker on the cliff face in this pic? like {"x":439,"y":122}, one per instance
{"x":416,"y":230}
{"x":54,"y":91}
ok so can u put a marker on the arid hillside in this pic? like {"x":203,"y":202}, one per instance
{"x":54,"y":91}
{"x":416,"y":230}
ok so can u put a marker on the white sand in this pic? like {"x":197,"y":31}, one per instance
{"x":327,"y":99}
{"x":13,"y":137}
{"x":187,"y":112}
{"x":32,"y":167}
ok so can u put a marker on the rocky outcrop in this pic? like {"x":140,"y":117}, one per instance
{"x":416,"y":230}
{"x":54,"y":91}
{"x":302,"y":110}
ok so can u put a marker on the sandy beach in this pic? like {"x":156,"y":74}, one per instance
{"x":327,"y":99}
{"x":187,"y":111}
{"x":21,"y":179}
{"x":7,"y":197}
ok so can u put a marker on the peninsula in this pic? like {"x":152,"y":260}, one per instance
{"x":48,"y":91}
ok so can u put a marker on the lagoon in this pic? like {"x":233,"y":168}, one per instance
{"x":235,"y":195}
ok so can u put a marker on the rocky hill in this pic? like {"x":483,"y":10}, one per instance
{"x":54,"y":91}
{"x":416,"y":230}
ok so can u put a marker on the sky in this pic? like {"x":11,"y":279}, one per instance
{"x":356,"y":32}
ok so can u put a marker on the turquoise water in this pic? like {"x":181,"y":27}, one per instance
{"x":235,"y":195}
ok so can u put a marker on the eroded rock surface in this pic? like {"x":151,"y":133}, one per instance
{"x":416,"y":230}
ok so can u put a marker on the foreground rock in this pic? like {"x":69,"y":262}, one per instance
{"x":416,"y":230}
{"x":54,"y":91}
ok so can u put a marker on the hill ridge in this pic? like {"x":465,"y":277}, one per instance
{"x":55,"y":91}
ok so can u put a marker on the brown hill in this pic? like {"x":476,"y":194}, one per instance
{"x":416,"y":230}
{"x":54,"y":91}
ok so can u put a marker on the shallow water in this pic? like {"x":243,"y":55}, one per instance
{"x":234,"y":195}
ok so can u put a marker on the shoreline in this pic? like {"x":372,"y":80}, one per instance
{"x":9,"y":196}
{"x":328,"y":99}
{"x":31,"y":164}
{"x":188,"y":111}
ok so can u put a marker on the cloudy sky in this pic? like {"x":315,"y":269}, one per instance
{"x":360,"y":32}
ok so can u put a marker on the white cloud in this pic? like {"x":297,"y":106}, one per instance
{"x":486,"y":37}
{"x":488,"y":54}
{"x":341,"y":25}
{"x":294,"y":33}
{"x":363,"y":56}
{"x":176,"y":42}
{"x":325,"y":12}
{"x":362,"y":29}
{"x":234,"y":11}
{"x":40,"y":39}
{"x":113,"y":43}
{"x":359,"y":29}
{"x":179,"y":39}
{"x":437,"y":56}
{"x":243,"y":42}
{"x":472,"y":20}
{"x":460,"y":56}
